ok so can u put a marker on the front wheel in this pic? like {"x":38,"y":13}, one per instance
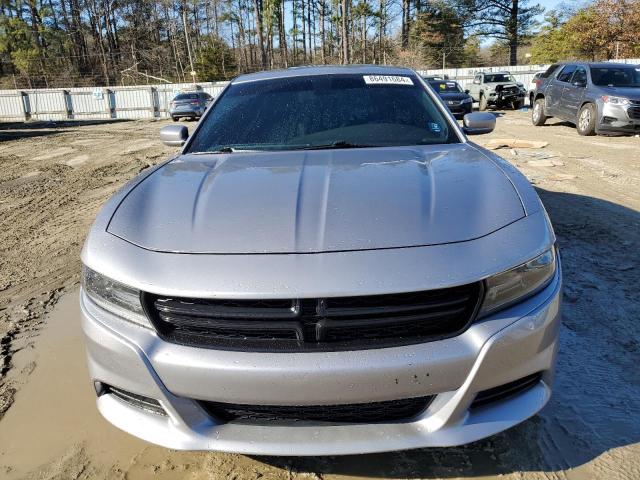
{"x":482,"y":105}
{"x":175,"y":119}
{"x":518,"y":104}
{"x":538,"y":117}
{"x":587,"y":120}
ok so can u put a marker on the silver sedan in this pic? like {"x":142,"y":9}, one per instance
{"x":329,"y":266}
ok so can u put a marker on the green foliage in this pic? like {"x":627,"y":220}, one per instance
{"x":552,"y":44}
{"x":215,"y":61}
{"x":471,"y":53}
{"x":592,"y":33}
{"x":438,"y":34}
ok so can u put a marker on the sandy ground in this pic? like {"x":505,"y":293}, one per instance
{"x":54,"y":177}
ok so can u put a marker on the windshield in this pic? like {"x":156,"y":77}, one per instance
{"x":616,"y":76}
{"x":446,"y":87}
{"x":499,"y":77}
{"x":187,"y":96}
{"x":343,"y":111}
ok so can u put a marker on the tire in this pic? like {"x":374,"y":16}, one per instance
{"x":175,"y":119}
{"x":482,"y":104}
{"x":586,"y":124}
{"x":538,"y":116}
{"x":517,"y":105}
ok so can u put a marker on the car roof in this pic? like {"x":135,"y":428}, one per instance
{"x":597,"y":64}
{"x":323,"y":70}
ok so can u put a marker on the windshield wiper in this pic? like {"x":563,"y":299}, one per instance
{"x":336,"y":144}
{"x":225,"y":149}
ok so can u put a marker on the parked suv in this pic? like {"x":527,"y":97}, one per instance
{"x":596,"y":97}
{"x":498,"y":89}
{"x":329,"y":266}
{"x":189,"y":104}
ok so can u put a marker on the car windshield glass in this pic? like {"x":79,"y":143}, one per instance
{"x":446,"y":87}
{"x":187,"y":96}
{"x":326,"y":111}
{"x":616,"y":76}
{"x":498,"y":77}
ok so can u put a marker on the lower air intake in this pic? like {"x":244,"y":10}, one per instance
{"x":375,"y":412}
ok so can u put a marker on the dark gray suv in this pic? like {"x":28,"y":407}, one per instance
{"x":596,"y":97}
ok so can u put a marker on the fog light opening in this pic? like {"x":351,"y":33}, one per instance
{"x":507,"y":390}
{"x":138,"y":401}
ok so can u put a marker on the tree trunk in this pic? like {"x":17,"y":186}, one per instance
{"x":345,"y":32}
{"x":294,"y":14}
{"x":257,"y":5}
{"x":310,"y":31}
{"x":405,"y":24}
{"x":512,"y":33}
{"x":322,"y":6}
{"x":381,"y":33}
{"x":282,"y":36}
{"x":304,"y":30}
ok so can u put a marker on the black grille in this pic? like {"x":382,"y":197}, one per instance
{"x":634,"y":112}
{"x":340,"y":323}
{"x":395,"y":410}
{"x":507,"y":390}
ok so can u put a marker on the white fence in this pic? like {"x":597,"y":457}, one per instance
{"x":140,"y":101}
{"x":152,"y":101}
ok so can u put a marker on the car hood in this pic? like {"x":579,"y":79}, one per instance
{"x":318,"y":201}
{"x":627,"y":92}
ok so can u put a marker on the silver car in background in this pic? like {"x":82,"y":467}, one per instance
{"x":596,"y":97}
{"x":329,"y":266}
{"x":190,"y":105}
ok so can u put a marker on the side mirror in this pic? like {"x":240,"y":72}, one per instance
{"x":174,"y":135}
{"x":479,"y":123}
{"x":467,"y":91}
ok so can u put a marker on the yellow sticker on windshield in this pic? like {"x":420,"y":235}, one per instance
{"x":387,"y":80}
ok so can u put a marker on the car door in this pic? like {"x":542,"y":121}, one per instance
{"x":555,"y":89}
{"x":573,"y":93}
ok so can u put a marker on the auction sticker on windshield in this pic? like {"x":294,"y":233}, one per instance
{"x":387,"y":80}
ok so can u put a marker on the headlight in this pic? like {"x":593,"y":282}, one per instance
{"x":509,"y":287}
{"x":616,"y":100}
{"x":115,"y":297}
{"x":467,"y":100}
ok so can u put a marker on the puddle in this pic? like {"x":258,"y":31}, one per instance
{"x":54,"y":418}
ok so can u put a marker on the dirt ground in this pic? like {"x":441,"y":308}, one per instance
{"x":55,"y":176}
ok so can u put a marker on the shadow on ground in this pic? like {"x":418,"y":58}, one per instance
{"x":17,"y":130}
{"x":597,"y":388}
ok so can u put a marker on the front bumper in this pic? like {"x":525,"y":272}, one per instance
{"x":501,"y":98}
{"x":460,"y":108}
{"x":191,"y":112}
{"x":618,"y":118}
{"x":509,"y":345}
